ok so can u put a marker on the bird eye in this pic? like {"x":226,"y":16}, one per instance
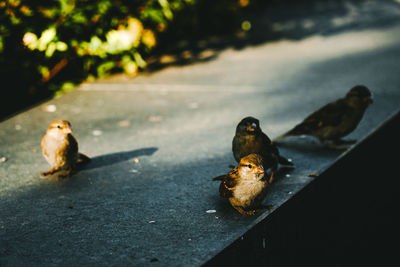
{"x":249,"y":166}
{"x":58,"y":126}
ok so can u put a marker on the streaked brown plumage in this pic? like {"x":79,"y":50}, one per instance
{"x":245,"y":186}
{"x":60,"y":149}
{"x":336,"y":119}
{"x":249,"y":138}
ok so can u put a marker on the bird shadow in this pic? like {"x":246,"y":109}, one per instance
{"x":114,"y":158}
{"x":283,"y":171}
{"x":307,"y":145}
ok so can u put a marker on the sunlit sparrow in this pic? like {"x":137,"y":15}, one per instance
{"x":60,"y":149}
{"x":249,"y":138}
{"x":336,"y":119}
{"x":245,"y":186}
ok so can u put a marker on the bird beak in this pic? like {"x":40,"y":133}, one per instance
{"x":260,"y":169}
{"x":68,"y":131}
{"x":368,"y":100}
{"x":252,"y":127}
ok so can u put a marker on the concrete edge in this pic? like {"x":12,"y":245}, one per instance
{"x":289,"y":234}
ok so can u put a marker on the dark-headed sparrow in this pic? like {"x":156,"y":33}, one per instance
{"x":249,"y":138}
{"x":245,"y":186}
{"x":60,"y":149}
{"x":336,"y":119}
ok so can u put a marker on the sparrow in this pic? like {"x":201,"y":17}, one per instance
{"x":60,"y":149}
{"x":249,"y":138}
{"x":245,"y":186}
{"x":336,"y":119}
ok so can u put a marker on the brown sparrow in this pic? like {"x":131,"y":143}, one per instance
{"x":60,"y":149}
{"x":245,"y":186}
{"x":336,"y":119}
{"x":249,"y":138}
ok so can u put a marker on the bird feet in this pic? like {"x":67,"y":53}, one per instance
{"x":253,"y":212}
{"x":268,"y":207}
{"x":271,"y":177}
{"x":341,"y":141}
{"x":245,"y":212}
{"x":49,"y":172}
{"x":335,"y":146}
{"x":339,"y":144}
{"x":66,"y":174}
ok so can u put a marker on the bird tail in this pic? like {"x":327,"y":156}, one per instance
{"x":297,"y":130}
{"x":219,"y":178}
{"x":281,"y":160}
{"x":83,"y":159}
{"x":284,"y":161}
{"x":281,"y":137}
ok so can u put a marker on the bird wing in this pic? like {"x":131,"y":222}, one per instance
{"x":329,"y":115}
{"x":228,"y":183}
{"x":219,"y":178}
{"x":72,"y":149}
{"x":270,"y":153}
{"x":43,"y":147}
{"x":265,"y":138}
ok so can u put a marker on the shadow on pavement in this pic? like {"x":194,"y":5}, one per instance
{"x":344,"y":217}
{"x":138,"y":216}
{"x":159,"y":210}
{"x":114,"y":158}
{"x":273,"y":21}
{"x":307,"y":145}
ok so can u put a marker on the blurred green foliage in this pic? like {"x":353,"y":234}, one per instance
{"x":47,"y":46}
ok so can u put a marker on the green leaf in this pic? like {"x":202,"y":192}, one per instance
{"x":43,"y":70}
{"x":130,"y":67}
{"x":139,"y":60}
{"x":65,"y":87}
{"x":95,"y":44}
{"x":118,"y":41}
{"x":61,"y":46}
{"x":46,"y":37}
{"x":105,"y":67}
{"x":103,"y":6}
{"x":79,"y":18}
{"x":51,"y":48}
{"x":166,"y":9}
{"x":66,"y":6}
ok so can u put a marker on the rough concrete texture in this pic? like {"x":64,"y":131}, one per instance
{"x":157,"y":140}
{"x":345,"y":217}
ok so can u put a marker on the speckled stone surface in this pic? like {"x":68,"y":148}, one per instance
{"x":157,"y":140}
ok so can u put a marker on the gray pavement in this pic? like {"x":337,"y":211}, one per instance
{"x":156,"y":141}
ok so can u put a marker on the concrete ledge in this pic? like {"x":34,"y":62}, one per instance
{"x":344,"y":217}
{"x":157,"y":140}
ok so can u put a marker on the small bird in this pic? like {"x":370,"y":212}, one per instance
{"x":245,"y":186}
{"x":249,"y":138}
{"x":336,"y":119}
{"x":60,"y":149}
